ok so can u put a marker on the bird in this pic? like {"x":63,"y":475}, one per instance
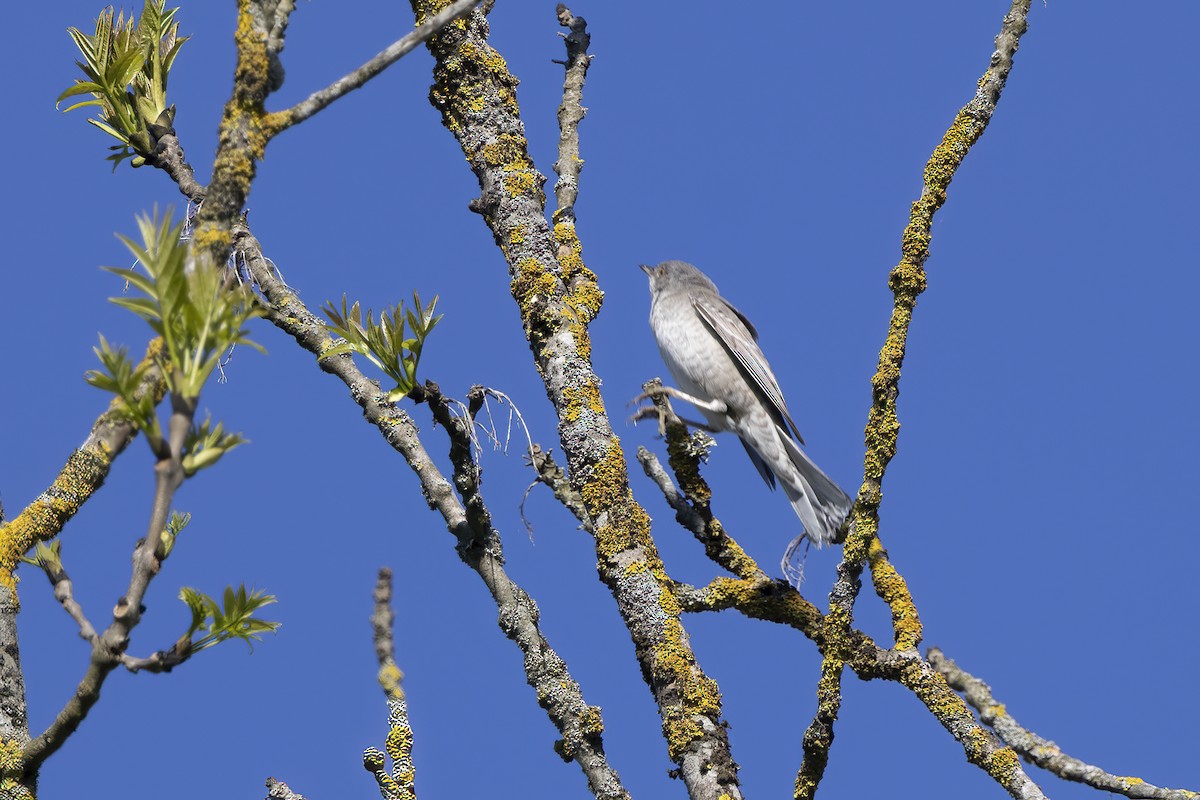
{"x":712,"y":352}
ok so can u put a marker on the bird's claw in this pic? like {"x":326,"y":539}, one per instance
{"x":642,"y":412}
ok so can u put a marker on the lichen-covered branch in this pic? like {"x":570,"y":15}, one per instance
{"x":278,"y":790}
{"x":43,"y":519}
{"x":246,"y":127}
{"x":242,"y":135}
{"x":14,"y":718}
{"x":692,"y":501}
{"x":469,"y":520}
{"x":907,"y":281}
{"x":80,"y":477}
{"x":1039,"y":751}
{"x":557,"y":297}
{"x":399,"y":783}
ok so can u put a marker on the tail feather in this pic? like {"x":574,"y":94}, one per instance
{"x":819,"y":502}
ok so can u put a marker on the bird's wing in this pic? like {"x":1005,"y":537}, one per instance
{"x":739,"y":338}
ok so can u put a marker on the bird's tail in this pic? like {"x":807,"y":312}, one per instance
{"x":819,"y":502}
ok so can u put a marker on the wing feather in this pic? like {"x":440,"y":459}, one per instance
{"x":739,"y":338}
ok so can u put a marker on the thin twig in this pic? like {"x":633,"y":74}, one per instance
{"x":570,"y":113}
{"x":64,"y":593}
{"x":1039,"y":751}
{"x":552,"y":475}
{"x":282,"y":120}
{"x":692,"y":502}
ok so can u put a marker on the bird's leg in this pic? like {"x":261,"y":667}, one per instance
{"x":715,"y":406}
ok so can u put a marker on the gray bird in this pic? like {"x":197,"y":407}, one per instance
{"x":712,"y":351}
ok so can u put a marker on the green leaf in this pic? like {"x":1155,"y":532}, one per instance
{"x":206,"y":444}
{"x":384,"y":343}
{"x":198,"y":317}
{"x":233,"y":619}
{"x":126,"y":63}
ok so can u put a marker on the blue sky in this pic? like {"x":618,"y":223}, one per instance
{"x":1041,"y":505}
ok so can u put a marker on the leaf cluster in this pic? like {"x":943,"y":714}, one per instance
{"x":189,"y":305}
{"x":384,"y":344}
{"x":232,"y":619}
{"x":125,"y":64}
{"x":48,"y":557}
{"x":119,"y":376}
{"x":175,"y":525}
{"x":205,"y":444}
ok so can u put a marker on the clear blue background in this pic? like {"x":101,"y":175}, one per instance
{"x":1041,"y":506}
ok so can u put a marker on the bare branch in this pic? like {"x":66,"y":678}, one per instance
{"x":64,"y":593}
{"x":382,"y":621}
{"x":282,"y":120}
{"x":159,"y":661}
{"x":1039,"y":751}
{"x":570,"y":113}
{"x":552,"y":475}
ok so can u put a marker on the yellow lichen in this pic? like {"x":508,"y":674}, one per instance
{"x":699,"y":695}
{"x":508,"y":151}
{"x":607,"y":484}
{"x":636,"y":567}
{"x":519,"y":182}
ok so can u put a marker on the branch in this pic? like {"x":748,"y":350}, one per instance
{"x":570,"y":113}
{"x":478,"y":543}
{"x":64,"y":591}
{"x":1039,"y":751}
{"x":553,"y":476}
{"x":84,"y":473}
{"x":397,"y":785}
{"x":168,"y":156}
{"x":14,"y":719}
{"x":557,"y":297}
{"x":692,"y":507}
{"x":907,"y":281}
{"x":282,"y":120}
{"x":242,"y":136}
{"x":148,"y":555}
{"x":278,"y":790}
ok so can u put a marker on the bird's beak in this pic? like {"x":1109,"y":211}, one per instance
{"x":646,"y":268}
